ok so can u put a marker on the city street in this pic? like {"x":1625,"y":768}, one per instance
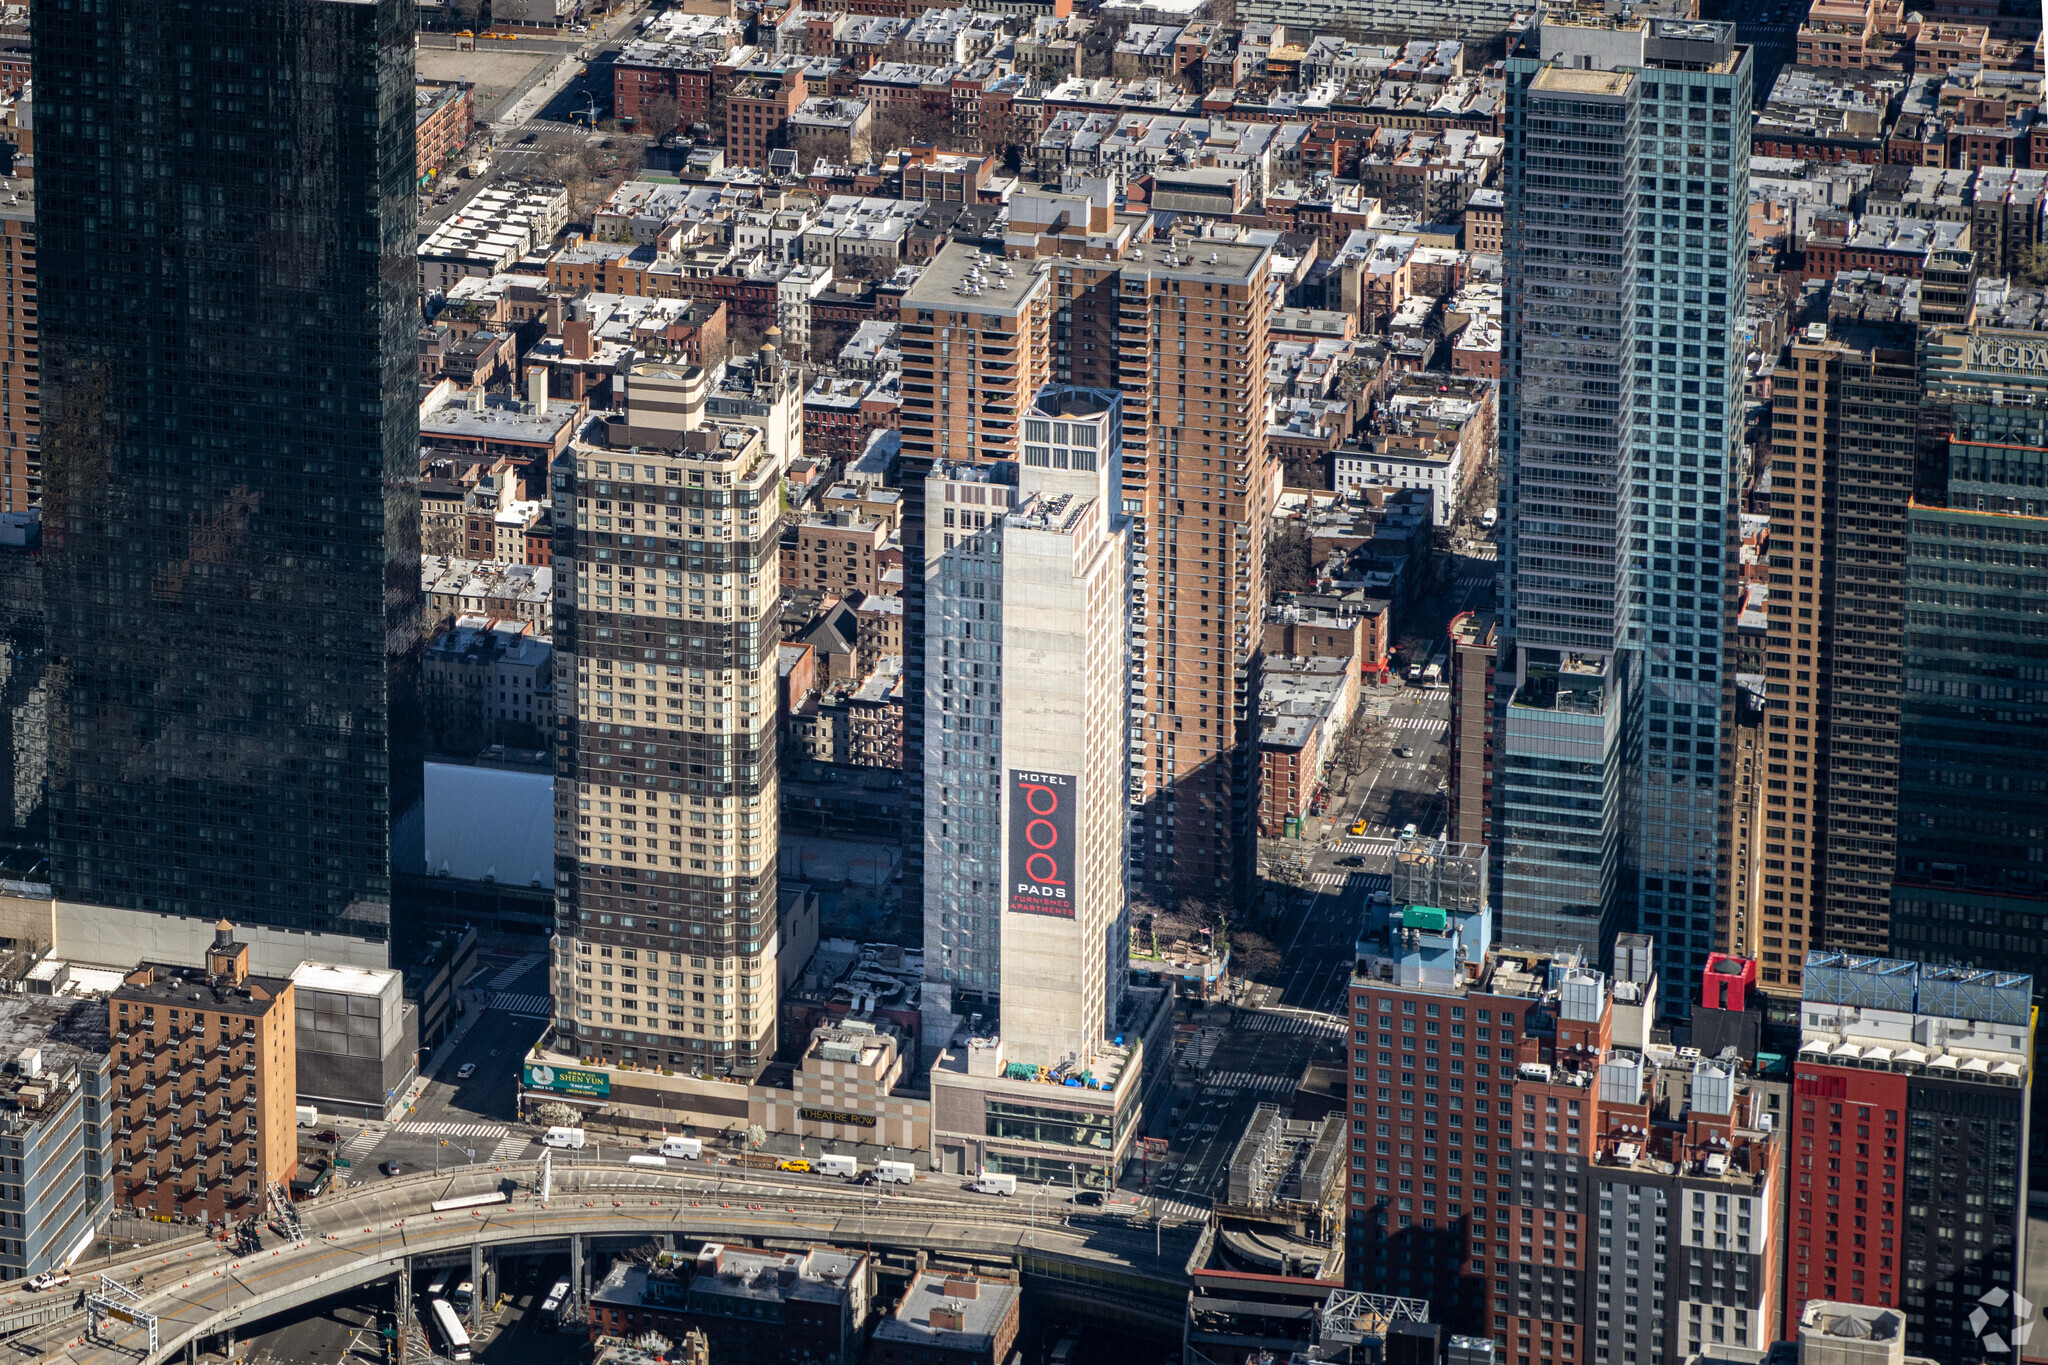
{"x":456,"y":1122}
{"x":524,"y":91}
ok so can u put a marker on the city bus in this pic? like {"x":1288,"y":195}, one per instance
{"x":448,"y":1332}
{"x":551,"y":1307}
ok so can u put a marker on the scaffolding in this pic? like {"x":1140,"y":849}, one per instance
{"x":1437,"y":872}
{"x":1350,"y":1317}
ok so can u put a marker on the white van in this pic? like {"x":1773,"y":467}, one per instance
{"x":895,"y":1172}
{"x":990,"y":1183}
{"x":689,"y":1149}
{"x":1490,"y":518}
{"x":829,"y":1164}
{"x":309,"y":1117}
{"x":564,"y":1137}
{"x":645,"y":1159}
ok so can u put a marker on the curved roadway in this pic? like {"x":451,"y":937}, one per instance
{"x":365,"y":1235}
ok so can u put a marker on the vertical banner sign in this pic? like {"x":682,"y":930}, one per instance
{"x":1042,"y":854}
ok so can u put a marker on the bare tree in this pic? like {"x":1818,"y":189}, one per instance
{"x":907,"y":123}
{"x":660,"y":116}
{"x":858,"y":268}
{"x":744,"y":335}
{"x":1099,"y":47}
{"x":828,"y":339}
{"x":1291,"y":559}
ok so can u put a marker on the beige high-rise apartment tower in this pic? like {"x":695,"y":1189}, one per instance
{"x":665,"y":795}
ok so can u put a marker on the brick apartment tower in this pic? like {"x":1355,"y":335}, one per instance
{"x":1844,"y":407}
{"x":208,"y":1078}
{"x":1474,"y":642}
{"x":1191,"y":333}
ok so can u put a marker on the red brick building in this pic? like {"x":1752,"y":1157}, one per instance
{"x":757,"y":114}
{"x":444,"y":117}
{"x":838,"y":553}
{"x":949,"y":1320}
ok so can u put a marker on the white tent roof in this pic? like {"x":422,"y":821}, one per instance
{"x":490,"y":823}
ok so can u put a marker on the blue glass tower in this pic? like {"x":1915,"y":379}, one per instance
{"x":1627,"y":173}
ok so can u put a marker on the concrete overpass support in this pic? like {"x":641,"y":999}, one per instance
{"x":576,"y":1292}
{"x":477,"y":1287}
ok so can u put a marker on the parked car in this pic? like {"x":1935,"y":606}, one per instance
{"x":329,"y":1136}
{"x":49,"y":1279}
{"x":465,"y":1071}
{"x":1089,"y":1199}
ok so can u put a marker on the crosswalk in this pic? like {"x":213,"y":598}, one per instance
{"x":539,"y":1005}
{"x":359,"y":1146}
{"x":1238,"y":1082}
{"x":510,"y":1147}
{"x":517,"y":970}
{"x":1484,"y":552}
{"x":1370,"y":847}
{"x":1418,"y":723}
{"x":1292,"y":1023}
{"x":1349,"y":881}
{"x":424,"y":1128}
{"x":1352,"y":881}
{"x":1175,"y":1209}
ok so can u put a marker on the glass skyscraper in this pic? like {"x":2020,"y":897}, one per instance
{"x":1627,"y":172}
{"x":1972,"y":877}
{"x":231,"y":448}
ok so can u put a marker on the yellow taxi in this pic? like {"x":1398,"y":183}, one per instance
{"x":800,"y":1167}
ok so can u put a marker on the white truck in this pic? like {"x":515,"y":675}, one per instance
{"x":843,"y":1166}
{"x":895,"y":1172}
{"x":688,"y":1148}
{"x":988,"y":1182}
{"x":309,"y":1117}
{"x":571,"y":1138}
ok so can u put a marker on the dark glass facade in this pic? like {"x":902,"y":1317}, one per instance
{"x":231,"y":450}
{"x":1972,"y":880}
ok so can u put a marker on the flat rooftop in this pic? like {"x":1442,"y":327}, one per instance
{"x":963,"y":278}
{"x":1565,"y":80}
